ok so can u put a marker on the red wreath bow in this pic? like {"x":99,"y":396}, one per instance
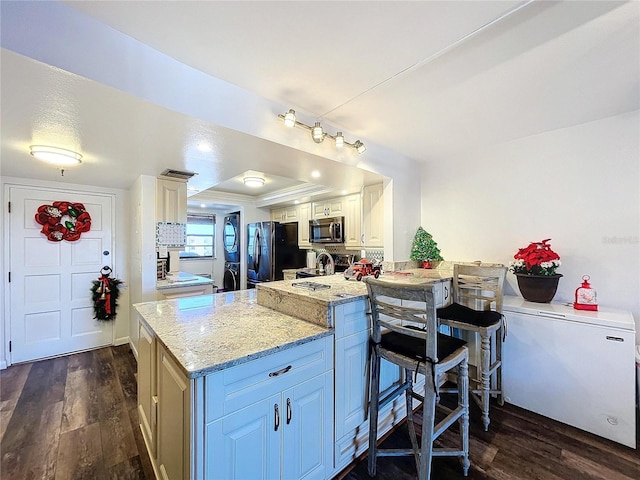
{"x":63,"y":221}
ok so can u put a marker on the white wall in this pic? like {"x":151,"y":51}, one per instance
{"x":142,"y":259}
{"x":579,"y":186}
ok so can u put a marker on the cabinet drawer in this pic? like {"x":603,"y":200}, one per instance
{"x":237,"y":387}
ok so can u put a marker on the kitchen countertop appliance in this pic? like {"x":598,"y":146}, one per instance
{"x":271,"y":248}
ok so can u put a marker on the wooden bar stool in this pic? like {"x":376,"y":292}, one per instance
{"x":405,"y":333}
{"x":477,"y":307}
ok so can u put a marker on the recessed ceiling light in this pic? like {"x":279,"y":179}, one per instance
{"x":203,"y":205}
{"x":296,"y":202}
{"x":56,"y":156}
{"x":315,"y":174}
{"x":204,"y":147}
{"x":253,"y":182}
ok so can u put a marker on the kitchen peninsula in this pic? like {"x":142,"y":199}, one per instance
{"x":227,"y":383}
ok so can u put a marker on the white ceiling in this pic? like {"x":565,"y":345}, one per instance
{"x":426,"y":80}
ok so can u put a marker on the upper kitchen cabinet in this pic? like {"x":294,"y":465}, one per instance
{"x":285,"y":214}
{"x":373,"y":216}
{"x":304,"y":215}
{"x":352,"y":221}
{"x":171,"y":201}
{"x":328,"y":208}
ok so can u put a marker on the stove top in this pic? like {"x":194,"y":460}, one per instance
{"x":311,"y":285}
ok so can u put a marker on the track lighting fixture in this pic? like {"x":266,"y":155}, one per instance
{"x":317,"y":132}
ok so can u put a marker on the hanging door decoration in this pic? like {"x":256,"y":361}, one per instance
{"x":63,"y":221}
{"x":105,"y":292}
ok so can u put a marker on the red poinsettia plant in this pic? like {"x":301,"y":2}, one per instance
{"x":536,"y":259}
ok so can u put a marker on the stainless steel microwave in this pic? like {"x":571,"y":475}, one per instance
{"x":327,"y":230}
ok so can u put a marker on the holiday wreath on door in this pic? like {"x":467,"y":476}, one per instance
{"x":63,"y":221}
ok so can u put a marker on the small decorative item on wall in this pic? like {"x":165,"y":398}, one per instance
{"x":586,"y":298}
{"x":105,"y":292}
{"x":425,"y":249}
{"x":63,"y":221}
{"x":535,"y":269}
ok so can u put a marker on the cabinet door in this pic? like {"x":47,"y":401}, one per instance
{"x":147,"y":400}
{"x":277,"y":214}
{"x":373,"y":216}
{"x":304,"y":215}
{"x":247,"y":443}
{"x":335,"y":207}
{"x":352,"y":381}
{"x":174,"y":415}
{"x":171,"y":201}
{"x":320,"y":210}
{"x":352,"y":221}
{"x":308,"y":433}
{"x":329,"y":208}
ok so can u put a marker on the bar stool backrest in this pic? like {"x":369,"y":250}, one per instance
{"x":479,"y":287}
{"x":406,"y":309}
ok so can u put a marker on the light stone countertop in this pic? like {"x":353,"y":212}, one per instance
{"x":315,"y":305}
{"x":208,"y":333}
{"x":182,"y":280}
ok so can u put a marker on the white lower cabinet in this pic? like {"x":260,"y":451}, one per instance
{"x":265,"y":419}
{"x":272,"y":418}
{"x":352,"y":385}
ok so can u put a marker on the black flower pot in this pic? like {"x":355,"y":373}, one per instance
{"x":538,"y":288}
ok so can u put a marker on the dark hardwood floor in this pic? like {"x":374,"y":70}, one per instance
{"x":72,"y":417}
{"x":75,"y":417}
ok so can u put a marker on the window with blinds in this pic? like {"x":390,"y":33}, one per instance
{"x":201,"y":236}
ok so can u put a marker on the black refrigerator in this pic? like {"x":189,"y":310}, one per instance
{"x":271,"y":248}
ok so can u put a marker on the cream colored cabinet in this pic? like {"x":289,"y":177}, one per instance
{"x":373,"y":216}
{"x":171,"y":201}
{"x":147,"y":392}
{"x":352,"y":221}
{"x":328,"y":208}
{"x":304,"y":215}
{"x":174,"y":419}
{"x":285,"y":214}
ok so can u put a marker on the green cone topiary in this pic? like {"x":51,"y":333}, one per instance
{"x":424,"y":247}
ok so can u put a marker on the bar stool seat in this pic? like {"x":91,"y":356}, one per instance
{"x":477,"y":307}
{"x":404,"y":332}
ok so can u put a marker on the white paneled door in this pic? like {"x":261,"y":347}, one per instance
{"x":51,"y":309}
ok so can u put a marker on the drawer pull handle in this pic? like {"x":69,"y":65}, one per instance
{"x":615,"y":339}
{"x":288,"y":411}
{"x":281,"y":371}
{"x":276,"y":417}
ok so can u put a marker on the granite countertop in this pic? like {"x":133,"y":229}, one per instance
{"x":182,"y":279}
{"x":315,"y":305}
{"x":208,"y":333}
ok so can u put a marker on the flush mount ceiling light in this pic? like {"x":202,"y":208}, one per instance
{"x":253,"y":182}
{"x":56,"y":156}
{"x":318,"y":134}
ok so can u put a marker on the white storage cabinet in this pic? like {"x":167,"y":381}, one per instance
{"x":573,"y":366}
{"x":273,"y":417}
